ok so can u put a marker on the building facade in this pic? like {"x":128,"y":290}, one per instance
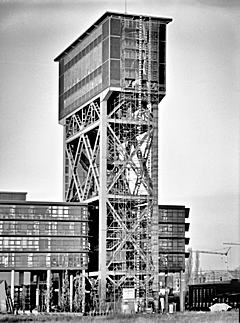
{"x":39,"y":241}
{"x":172,"y":237}
{"x":202,"y":296}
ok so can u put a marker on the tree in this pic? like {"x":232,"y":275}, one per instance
{"x":189,"y":267}
{"x":65,"y":293}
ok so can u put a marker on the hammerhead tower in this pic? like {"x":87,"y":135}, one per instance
{"x":111,"y":81}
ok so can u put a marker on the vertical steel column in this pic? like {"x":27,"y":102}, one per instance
{"x":166,"y":293}
{"x":64,"y":164}
{"x":48,"y":290}
{"x":71,"y":292}
{"x":83,"y":291}
{"x":155,"y":213}
{"x":102,"y":266}
{"x":37,"y":293}
{"x":182,"y":303}
{"x":12,"y":285}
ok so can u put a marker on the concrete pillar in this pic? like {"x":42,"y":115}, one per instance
{"x":48,"y":290}
{"x":83,"y":291}
{"x":12,"y":285}
{"x":182,"y":300}
{"x":71,"y":292}
{"x":60,"y":279}
{"x":166,"y":293}
{"x":103,"y":202}
{"x":37,"y":293}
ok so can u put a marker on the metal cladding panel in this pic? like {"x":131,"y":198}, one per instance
{"x":115,"y":36}
{"x":81,"y":71}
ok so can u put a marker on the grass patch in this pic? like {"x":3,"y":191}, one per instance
{"x":187,"y":317}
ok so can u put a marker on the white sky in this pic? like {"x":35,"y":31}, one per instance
{"x":198,"y":118}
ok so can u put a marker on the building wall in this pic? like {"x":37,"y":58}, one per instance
{"x":13,"y":196}
{"x":43,"y":235}
{"x":172,"y":230}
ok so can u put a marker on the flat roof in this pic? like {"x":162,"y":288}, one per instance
{"x":42,"y":203}
{"x":171,"y":207}
{"x":99,"y":21}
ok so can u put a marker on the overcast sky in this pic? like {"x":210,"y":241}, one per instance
{"x":198,"y":118}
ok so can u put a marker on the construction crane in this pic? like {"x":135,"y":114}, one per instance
{"x":197,"y":261}
{"x":213,"y":252}
{"x":232,"y":243}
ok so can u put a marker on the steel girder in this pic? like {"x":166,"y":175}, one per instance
{"x":129,"y":188}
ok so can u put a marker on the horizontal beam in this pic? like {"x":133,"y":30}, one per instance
{"x":85,"y":130}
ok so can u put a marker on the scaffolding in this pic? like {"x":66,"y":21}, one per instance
{"x":111,"y":162}
{"x":130,"y":139}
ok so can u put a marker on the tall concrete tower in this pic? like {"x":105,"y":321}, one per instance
{"x":111,"y":81}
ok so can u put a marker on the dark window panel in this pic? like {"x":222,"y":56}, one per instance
{"x":115,"y":26}
{"x":162,"y":32}
{"x":105,"y":74}
{"x":114,"y":47}
{"x":162,"y":52}
{"x":115,"y":72}
{"x":105,"y":50}
{"x":105,"y":29}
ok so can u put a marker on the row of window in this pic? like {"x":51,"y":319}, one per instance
{"x":51,"y":212}
{"x":171,"y":262}
{"x":132,"y":43}
{"x":171,"y":228}
{"x":44,"y":225}
{"x":172,"y":215}
{"x":77,"y":227}
{"x":169,"y":243}
{"x":90,"y":41}
{"x":82,"y":88}
{"x":85,"y":66}
{"x":133,"y":54}
{"x":21,"y":244}
{"x":83,"y":53}
{"x":134,"y":24}
{"x":55,"y":260}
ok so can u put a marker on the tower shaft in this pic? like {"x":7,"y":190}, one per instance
{"x":111,"y":145}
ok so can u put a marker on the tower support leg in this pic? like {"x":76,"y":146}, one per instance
{"x":83,"y":291}
{"x":155,"y":213}
{"x":102,"y":266}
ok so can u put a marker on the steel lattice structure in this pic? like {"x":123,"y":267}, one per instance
{"x":111,"y":156}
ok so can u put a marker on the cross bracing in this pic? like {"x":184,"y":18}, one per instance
{"x":111,"y":160}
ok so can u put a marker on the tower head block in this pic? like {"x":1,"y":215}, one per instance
{"x":107,"y":56}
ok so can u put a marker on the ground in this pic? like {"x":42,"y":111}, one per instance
{"x":187,"y":317}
